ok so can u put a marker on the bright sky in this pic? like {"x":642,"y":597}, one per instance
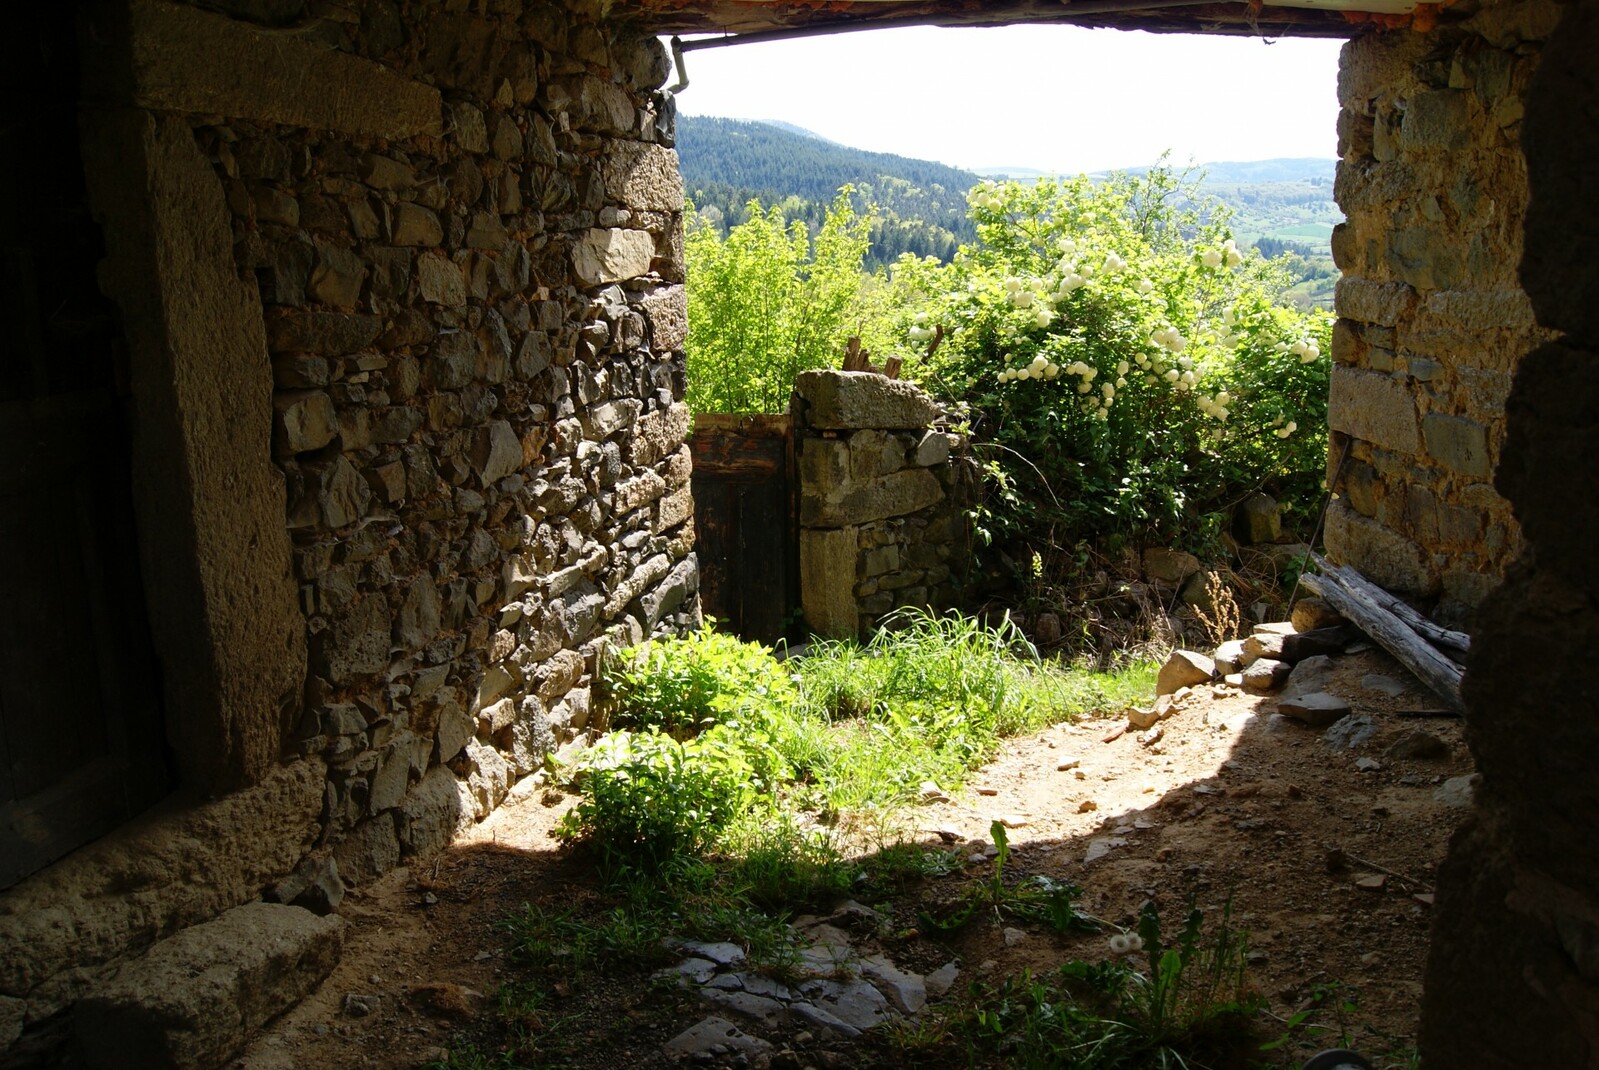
{"x":1051,"y":97}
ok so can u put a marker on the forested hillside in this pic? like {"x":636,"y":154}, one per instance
{"x":921,"y":204}
{"x":1283,"y":205}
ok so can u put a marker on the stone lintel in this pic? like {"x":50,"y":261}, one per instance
{"x":193,"y":61}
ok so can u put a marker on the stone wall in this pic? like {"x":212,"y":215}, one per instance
{"x":1513,"y":974}
{"x":883,"y":491}
{"x":1432,"y":317}
{"x":403,"y":292}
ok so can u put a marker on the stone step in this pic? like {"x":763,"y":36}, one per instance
{"x":192,"y":1000}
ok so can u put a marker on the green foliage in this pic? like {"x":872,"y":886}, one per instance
{"x":1130,"y":370}
{"x":1192,"y":1007}
{"x":764,"y":305}
{"x":1050,"y":902}
{"x":705,"y":678}
{"x":928,"y":699}
{"x":649,"y":798}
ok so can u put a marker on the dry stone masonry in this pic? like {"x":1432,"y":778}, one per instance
{"x":883,"y":488}
{"x":476,"y":350}
{"x":1432,"y":317}
{"x":403,"y":291}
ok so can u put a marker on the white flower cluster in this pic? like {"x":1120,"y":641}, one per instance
{"x":1286,"y":429}
{"x":1039,"y":368}
{"x":920,"y":332}
{"x":1170,"y":339}
{"x":1229,"y":255}
{"x":983,"y":196}
{"x":1122,"y":943}
{"x":1307,"y":351}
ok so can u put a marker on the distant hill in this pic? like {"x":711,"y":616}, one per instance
{"x":1284,"y":204}
{"x":726,"y":162}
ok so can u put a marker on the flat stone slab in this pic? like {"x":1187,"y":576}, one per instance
{"x":713,"y":1036}
{"x":1317,"y":709}
{"x":841,"y":400}
{"x":191,"y":1001}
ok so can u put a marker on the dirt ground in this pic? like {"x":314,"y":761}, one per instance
{"x":1328,"y":866}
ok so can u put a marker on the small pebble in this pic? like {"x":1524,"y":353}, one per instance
{"x":1087,"y":806}
{"x":1067,"y":765}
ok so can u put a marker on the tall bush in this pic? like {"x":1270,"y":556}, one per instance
{"x":765,"y":303}
{"x":1129,"y":371}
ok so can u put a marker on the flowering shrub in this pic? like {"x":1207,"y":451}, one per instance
{"x":1130,"y":369}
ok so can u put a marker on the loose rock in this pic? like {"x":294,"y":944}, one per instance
{"x":1317,"y":710}
{"x":1183,"y":669}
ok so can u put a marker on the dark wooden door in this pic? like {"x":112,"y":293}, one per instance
{"x":744,"y":517}
{"x":80,"y":734}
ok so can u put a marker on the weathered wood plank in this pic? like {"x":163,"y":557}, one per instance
{"x":1430,"y":666}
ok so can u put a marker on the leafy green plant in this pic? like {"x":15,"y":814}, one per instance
{"x":1040,"y":899}
{"x":687,"y":683}
{"x":648,"y":798}
{"x":765,"y":305}
{"x":1191,"y":1008}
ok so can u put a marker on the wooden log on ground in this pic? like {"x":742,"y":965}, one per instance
{"x":1430,"y":666}
{"x":1455,"y":643}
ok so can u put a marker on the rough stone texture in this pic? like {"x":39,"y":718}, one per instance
{"x":1433,"y":319}
{"x":1518,"y":894}
{"x":844,"y":401}
{"x":180,"y":864}
{"x":828,"y":561}
{"x":1184,"y":668}
{"x":191,"y":1001}
{"x":186,"y":60}
{"x":215,"y":556}
{"x":397,"y":460}
{"x":882,"y":521}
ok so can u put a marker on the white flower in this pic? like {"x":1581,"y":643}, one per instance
{"x":919,"y":334}
{"x":1177,"y":341}
{"x":1068,"y":247}
{"x":1089,"y":373}
{"x":1051,"y":370}
{"x":920,"y":319}
{"x":1013,"y":284}
{"x":1022,"y":298}
{"x":1042,"y":317}
{"x":1150,"y":380}
{"x":1102,"y":415}
{"x":1113,"y":264}
{"x":1108,"y":390}
{"x":1172,"y":375}
{"x":1120,"y":382}
{"x":1083,"y":388}
{"x":1144,"y":286}
{"x":1223,"y":398}
{"x":1211,"y":258}
{"x":1038,"y":362}
{"x":1121,"y":367}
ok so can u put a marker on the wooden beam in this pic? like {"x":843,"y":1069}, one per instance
{"x":1430,"y":666}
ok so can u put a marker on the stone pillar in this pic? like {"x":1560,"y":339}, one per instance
{"x":1513,"y":973}
{"x":882,"y":489}
{"x":1432,"y":318}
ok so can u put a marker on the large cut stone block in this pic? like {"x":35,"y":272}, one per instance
{"x":1388,"y":559}
{"x":899,"y":494}
{"x":187,"y":60}
{"x":827,"y":582}
{"x":192,"y":1000}
{"x":1374,"y":408}
{"x":613,"y":255}
{"x":643,"y":176}
{"x":836,"y":400}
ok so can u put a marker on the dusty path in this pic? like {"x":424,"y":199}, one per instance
{"x":1327,"y":861}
